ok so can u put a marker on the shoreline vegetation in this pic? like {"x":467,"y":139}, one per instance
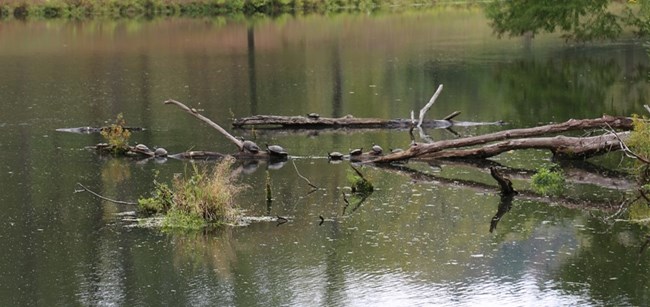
{"x":116,"y":9}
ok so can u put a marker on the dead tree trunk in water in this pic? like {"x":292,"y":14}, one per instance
{"x":578,"y":147}
{"x":348,"y":121}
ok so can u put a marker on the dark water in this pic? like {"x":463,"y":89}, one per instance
{"x":422,"y":238}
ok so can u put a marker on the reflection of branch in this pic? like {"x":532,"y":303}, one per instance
{"x":347,"y":203}
{"x":643,"y":247}
{"x":566,"y":202}
{"x":103,"y":197}
{"x":303,"y":177}
{"x":358,"y":172}
{"x":504,"y":206}
{"x":357,"y":205}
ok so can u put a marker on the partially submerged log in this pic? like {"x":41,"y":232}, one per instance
{"x":348,"y":121}
{"x":521,"y":139}
{"x":89,"y":130}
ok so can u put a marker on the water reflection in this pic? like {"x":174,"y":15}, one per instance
{"x":504,"y":206}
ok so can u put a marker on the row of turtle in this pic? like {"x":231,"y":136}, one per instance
{"x":376,"y":150}
{"x":272,"y":150}
{"x":143,"y":149}
{"x":277,"y":151}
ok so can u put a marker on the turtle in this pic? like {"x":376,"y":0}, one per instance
{"x":276,"y":150}
{"x":396,"y":150}
{"x":376,"y":149}
{"x":160,"y":152}
{"x":356,"y":152}
{"x":313,"y":115}
{"x":250,"y":146}
{"x":142,"y":147}
{"x":335,"y":155}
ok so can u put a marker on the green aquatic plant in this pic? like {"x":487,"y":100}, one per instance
{"x":161,"y":199}
{"x":549,"y":181}
{"x":205,"y":196}
{"x":116,"y":135}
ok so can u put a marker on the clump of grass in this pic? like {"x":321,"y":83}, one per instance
{"x":200,"y":199}
{"x":549,"y":182}
{"x":116,"y":135}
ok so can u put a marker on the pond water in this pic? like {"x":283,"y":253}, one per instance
{"x":422,"y":238}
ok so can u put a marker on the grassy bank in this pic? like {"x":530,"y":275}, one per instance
{"x":86,"y":9}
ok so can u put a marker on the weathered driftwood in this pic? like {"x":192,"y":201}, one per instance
{"x":206,"y":120}
{"x":560,"y":146}
{"x":89,"y":130}
{"x":576,"y":147}
{"x":426,"y":108}
{"x":315,"y":121}
{"x":348,"y":121}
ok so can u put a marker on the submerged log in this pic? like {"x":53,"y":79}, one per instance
{"x":568,"y":146}
{"x":348,"y":121}
{"x":89,"y":130}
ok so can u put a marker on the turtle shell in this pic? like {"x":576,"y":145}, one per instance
{"x":160,"y":152}
{"x":276,"y":150}
{"x":356,"y":152}
{"x":335,"y":155}
{"x":376,"y":149}
{"x":250,"y":147}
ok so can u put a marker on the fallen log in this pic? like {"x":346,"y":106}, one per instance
{"x":89,"y":130}
{"x":577,"y":147}
{"x":348,"y":121}
{"x":560,"y":146}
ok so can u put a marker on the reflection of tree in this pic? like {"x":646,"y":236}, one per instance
{"x":607,"y":265}
{"x":504,"y":206}
{"x":562,"y":85}
{"x":580,"y":20}
{"x":252,"y":77}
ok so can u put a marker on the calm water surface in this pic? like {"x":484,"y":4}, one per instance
{"x":422,"y":238}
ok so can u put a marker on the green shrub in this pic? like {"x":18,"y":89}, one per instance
{"x":204,"y":195}
{"x":179,"y":219}
{"x":116,"y":135}
{"x":549,"y":182}
{"x":161,"y":199}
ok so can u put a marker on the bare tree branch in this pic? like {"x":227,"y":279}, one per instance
{"x":103,"y":197}
{"x":424,"y":110}
{"x":195,"y":113}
